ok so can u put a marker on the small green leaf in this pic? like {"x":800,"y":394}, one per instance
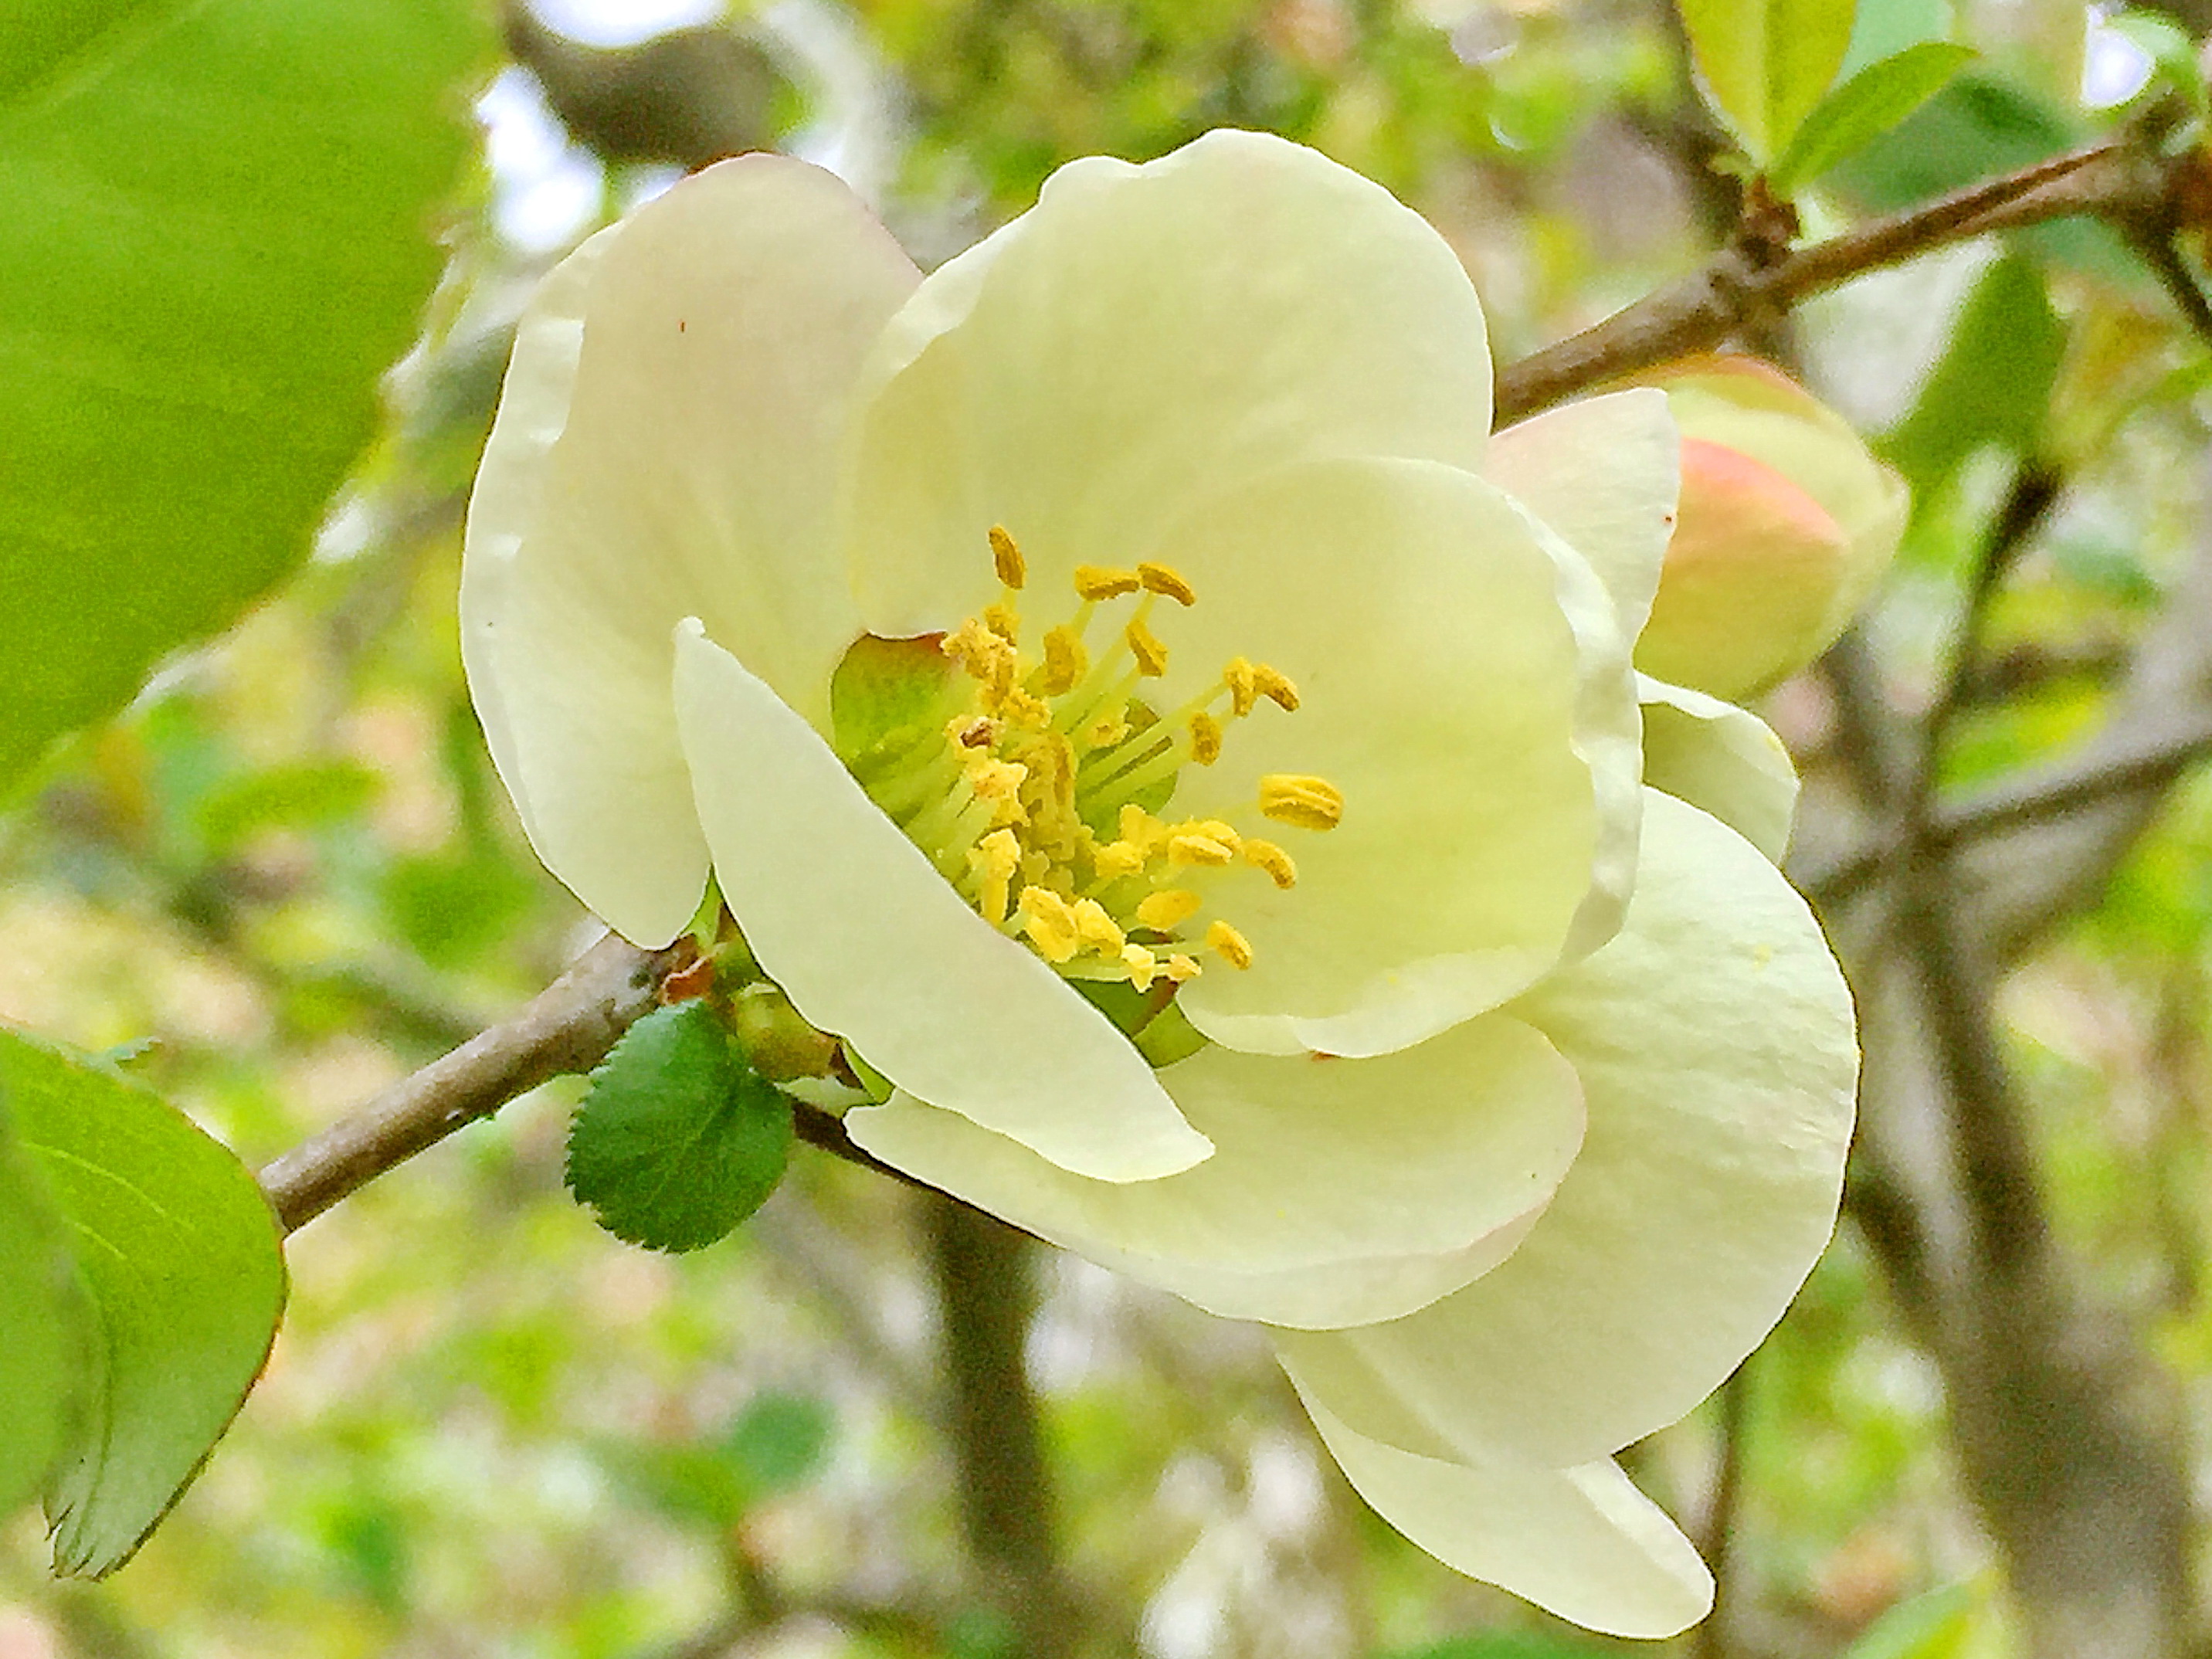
{"x":178,"y":1252}
{"x":678,"y":1141}
{"x":1992,"y":385}
{"x":1936,"y":1625}
{"x":1885,"y":28}
{"x":42,"y":1370}
{"x":1766,"y":63}
{"x":2171,"y":54}
{"x":301,"y":795}
{"x":218,"y":229}
{"x":779,"y":1441}
{"x":1864,"y":107}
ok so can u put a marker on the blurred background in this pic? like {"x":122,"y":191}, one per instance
{"x":289,"y":877}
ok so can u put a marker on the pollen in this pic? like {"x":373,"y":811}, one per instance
{"x":1169,"y":909}
{"x":1190,"y":846}
{"x":1166,"y":581}
{"x":1004,"y":621}
{"x":1309,"y":803}
{"x":1243,"y":684}
{"x":1144,"y":967}
{"x":1096,"y":582}
{"x":1231,"y":947}
{"x":994,"y":858}
{"x":1151,"y":656}
{"x":1181,"y":968}
{"x":1006,"y":556}
{"x":1049,"y":920}
{"x":1204,"y":739}
{"x":1096,"y":929}
{"x":1276,"y":686}
{"x":1117,"y":859}
{"x":1266,"y":855}
{"x":1066,"y":661}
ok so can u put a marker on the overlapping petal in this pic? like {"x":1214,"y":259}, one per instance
{"x":1147,"y":337}
{"x":1604,"y":473}
{"x":871,"y":944}
{"x":1339,"y":1190}
{"x":1461,"y":682}
{"x":1581,"y":1541}
{"x":1720,"y":758}
{"x":667,"y":446}
{"x":1713,"y":1041}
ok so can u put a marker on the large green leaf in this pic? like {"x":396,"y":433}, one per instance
{"x":178,"y":1253}
{"x":217,"y":229}
{"x":41,"y":1358}
{"x":1862,"y":109}
{"x":1766,"y":63}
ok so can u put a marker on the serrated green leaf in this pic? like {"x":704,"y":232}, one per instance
{"x":1766,"y":63}
{"x":1864,"y":107}
{"x":678,"y":1141}
{"x":42,"y":1370}
{"x":178,"y":1253}
{"x":218,"y":229}
{"x":1992,"y":385}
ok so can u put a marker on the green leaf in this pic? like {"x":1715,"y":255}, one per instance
{"x":779,"y":1442}
{"x":178,"y":1255}
{"x":1766,"y":63}
{"x":1885,"y":28}
{"x":217,"y":230}
{"x":678,"y":1141}
{"x":1864,"y":107}
{"x":1933,"y":1625}
{"x":299,"y":795}
{"x":1992,"y":385}
{"x":43,"y":1313}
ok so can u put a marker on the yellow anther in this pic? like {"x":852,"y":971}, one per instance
{"x":1049,"y":922}
{"x":1144,"y":967}
{"x":1117,"y":859}
{"x":1004,"y":621}
{"x":1168,"y":581}
{"x":1230,"y":946}
{"x":1151,"y":656}
{"x":1243,"y":684}
{"x":1204,"y":739}
{"x":1169,"y":909}
{"x":1188,"y":847}
{"x":1095,"y":582}
{"x":1106,"y":730}
{"x":994,"y":859}
{"x":1013,"y":569}
{"x":1274,"y":685}
{"x":1023,"y":709}
{"x":1308,"y":802}
{"x":1139,"y":828}
{"x":1096,"y":929}
{"x":974,"y":647}
{"x":999,"y":782}
{"x":1271,"y":858}
{"x":1066,"y":661}
{"x":1181,"y":968}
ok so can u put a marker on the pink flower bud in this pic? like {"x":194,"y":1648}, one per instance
{"x":1785,"y":524}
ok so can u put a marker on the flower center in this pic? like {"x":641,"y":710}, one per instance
{"x":1036,"y":781}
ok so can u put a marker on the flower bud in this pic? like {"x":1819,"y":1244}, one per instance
{"x":1786,"y":522}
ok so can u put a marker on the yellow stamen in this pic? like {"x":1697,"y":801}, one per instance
{"x":1140,"y":829}
{"x":1308,"y":802}
{"x":1144,"y":967}
{"x":1189,"y":847}
{"x":1049,"y":922}
{"x":1066,"y":661}
{"x":1151,"y":656}
{"x":1271,"y":858}
{"x":1013,"y":569}
{"x":1004,"y":621}
{"x":1232,"y":947}
{"x":1243,"y":685}
{"x":1169,"y":909}
{"x":1276,"y":686}
{"x":1106,"y":730}
{"x":1181,"y":968}
{"x":999,"y":782}
{"x":994,"y":858}
{"x":1096,"y":929}
{"x":1117,"y":859}
{"x":1204,"y":739}
{"x":1094,"y":581}
{"x":1165,"y":580}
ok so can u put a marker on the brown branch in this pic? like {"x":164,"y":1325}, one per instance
{"x":1739,"y":287}
{"x":568,"y":1027}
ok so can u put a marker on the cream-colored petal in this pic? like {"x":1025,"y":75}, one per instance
{"x":1579,"y":1541}
{"x":871,"y":944}
{"x":1145,"y":336}
{"x":1338,"y":1191}
{"x":1720,"y":758}
{"x":1714,"y":1041}
{"x":1603,"y":472}
{"x":666,"y":446}
{"x":1463,"y":683}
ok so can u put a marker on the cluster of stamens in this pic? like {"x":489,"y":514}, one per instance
{"x":1040,"y":799}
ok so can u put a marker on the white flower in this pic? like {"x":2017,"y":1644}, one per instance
{"x":1139,"y":601}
